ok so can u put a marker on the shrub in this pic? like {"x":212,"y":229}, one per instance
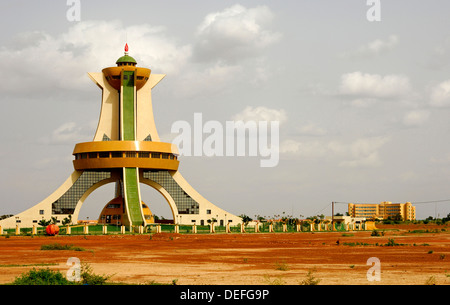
{"x":391,"y":243}
{"x":89,"y":278}
{"x":310,"y":279}
{"x":51,"y":277}
{"x":431,"y":281}
{"x":41,"y":277}
{"x":281,"y":266}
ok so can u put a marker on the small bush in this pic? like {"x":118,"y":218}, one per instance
{"x":277,"y":281}
{"x":377,"y":233}
{"x":89,"y":278}
{"x":431,"y":281}
{"x":42,"y":277}
{"x":310,"y":279}
{"x":391,"y":243}
{"x":281,"y":266}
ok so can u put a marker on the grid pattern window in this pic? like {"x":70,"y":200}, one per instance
{"x":144,"y":154}
{"x":67,"y":203}
{"x":130,"y":154}
{"x":185,"y":204}
{"x":116,"y":154}
{"x":113,"y":206}
{"x":103,"y":154}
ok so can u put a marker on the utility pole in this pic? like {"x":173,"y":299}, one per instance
{"x":332,"y":212}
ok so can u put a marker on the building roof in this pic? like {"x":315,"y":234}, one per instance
{"x":126,"y":58}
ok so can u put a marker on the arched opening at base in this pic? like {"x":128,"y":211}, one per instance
{"x":156,"y":202}
{"x":96,"y":201}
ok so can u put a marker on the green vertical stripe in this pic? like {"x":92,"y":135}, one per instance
{"x":128,"y":106}
{"x":133,"y":201}
{"x":131,"y":179}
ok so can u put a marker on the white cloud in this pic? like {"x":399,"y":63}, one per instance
{"x":440,"y":95}
{"x":88,"y":46}
{"x":234,"y":33}
{"x":62,"y":61}
{"x":261,"y":113}
{"x":69,"y":133}
{"x":311,"y":129}
{"x":290,"y":146}
{"x":363,"y":152}
{"x":374,"y":47}
{"x":374,"y":85}
{"x":379,"y":45}
{"x":209,"y":81}
{"x":416,"y":117}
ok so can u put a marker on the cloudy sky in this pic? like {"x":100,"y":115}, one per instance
{"x":363,"y":106}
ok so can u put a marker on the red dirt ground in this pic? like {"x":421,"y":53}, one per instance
{"x":242,"y":259}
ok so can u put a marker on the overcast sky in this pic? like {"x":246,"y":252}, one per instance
{"x":364,"y":107}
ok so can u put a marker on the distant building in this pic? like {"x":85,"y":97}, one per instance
{"x":383,"y":210}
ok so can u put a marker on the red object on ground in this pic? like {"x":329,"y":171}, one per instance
{"x":52,"y":229}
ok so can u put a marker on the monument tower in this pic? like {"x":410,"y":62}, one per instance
{"x":126,"y":150}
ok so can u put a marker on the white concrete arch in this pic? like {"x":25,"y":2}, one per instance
{"x":166,"y":195}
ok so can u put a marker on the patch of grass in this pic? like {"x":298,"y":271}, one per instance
{"x":54,"y":277}
{"x":89,"y":278}
{"x":277,"y":281}
{"x":281,"y":266}
{"x":310,"y":279}
{"x":42,"y":277}
{"x":356,"y":244}
{"x":154,"y":283}
{"x":347,"y":234}
{"x":391,"y":243}
{"x":419,"y":231}
{"x":56,"y":246}
{"x":431,"y":281}
{"x":377,"y":233}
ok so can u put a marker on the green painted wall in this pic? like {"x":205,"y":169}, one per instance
{"x":128,"y":106}
{"x":130,"y":175}
{"x":133,"y":202}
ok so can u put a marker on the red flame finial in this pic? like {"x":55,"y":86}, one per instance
{"x":126,"y":47}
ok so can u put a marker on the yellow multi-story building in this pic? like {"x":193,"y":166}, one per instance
{"x":383,"y":210}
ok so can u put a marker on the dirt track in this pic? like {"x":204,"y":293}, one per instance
{"x":249,"y":258}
